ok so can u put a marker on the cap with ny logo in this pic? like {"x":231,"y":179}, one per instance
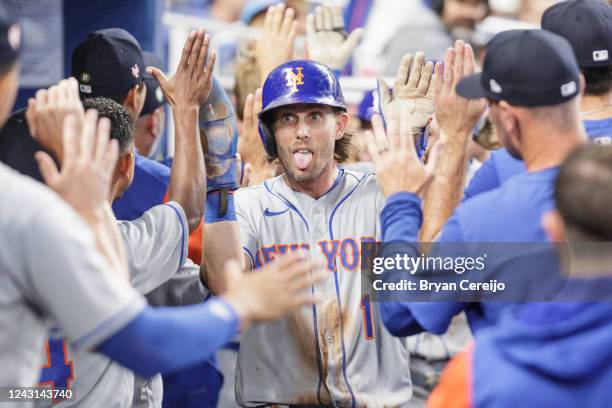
{"x":108,"y":63}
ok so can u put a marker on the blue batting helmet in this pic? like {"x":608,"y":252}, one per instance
{"x":294,"y":83}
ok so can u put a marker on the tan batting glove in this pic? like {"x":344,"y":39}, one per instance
{"x":326,"y":39}
{"x":413,"y":91}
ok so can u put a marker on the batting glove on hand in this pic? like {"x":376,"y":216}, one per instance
{"x":413,"y":91}
{"x":327,"y":41}
{"x":219,"y":140}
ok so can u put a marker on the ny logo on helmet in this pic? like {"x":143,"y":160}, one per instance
{"x":293,"y":79}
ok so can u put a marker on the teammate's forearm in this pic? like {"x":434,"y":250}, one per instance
{"x":398,"y":319}
{"x":446,"y":189}
{"x":188,"y":178}
{"x":167,"y":339}
{"x":216,"y":252}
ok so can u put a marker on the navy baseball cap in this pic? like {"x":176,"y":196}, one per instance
{"x":155,"y":96}
{"x":525,"y":68}
{"x":587,"y":25}
{"x":10,"y":35}
{"x":108,"y":63}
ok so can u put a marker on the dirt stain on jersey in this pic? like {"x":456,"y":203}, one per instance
{"x":333,"y":327}
{"x":302,"y":331}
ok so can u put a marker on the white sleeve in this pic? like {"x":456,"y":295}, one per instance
{"x":68,"y":279}
{"x":380,"y":204}
{"x":250,"y":239}
{"x":156,"y":245}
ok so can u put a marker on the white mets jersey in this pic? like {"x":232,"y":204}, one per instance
{"x":51,"y":271}
{"x":336,"y":352}
{"x":156,"y":248}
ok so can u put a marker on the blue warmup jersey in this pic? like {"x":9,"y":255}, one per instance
{"x":501,"y":166}
{"x":559,"y":350}
{"x":513,"y":213}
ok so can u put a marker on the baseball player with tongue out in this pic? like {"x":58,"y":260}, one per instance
{"x":335,"y":353}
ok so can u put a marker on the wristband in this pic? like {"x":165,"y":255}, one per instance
{"x":220,"y":206}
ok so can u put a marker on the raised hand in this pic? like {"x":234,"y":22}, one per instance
{"x":456,"y":118}
{"x":46,"y":113}
{"x":88,"y":166}
{"x":456,"y":115}
{"x":190,"y":86}
{"x":326,"y":39}
{"x":398,"y":167}
{"x":272,"y":291}
{"x":250,"y":147}
{"x":276,"y":45}
{"x":413,"y":91}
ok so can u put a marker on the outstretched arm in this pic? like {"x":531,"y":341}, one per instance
{"x":457,"y":118}
{"x":166,"y":339}
{"x":186,"y":91}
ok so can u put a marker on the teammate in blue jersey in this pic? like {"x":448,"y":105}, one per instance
{"x":562,"y":370}
{"x":538,"y":121}
{"x":587,"y":25}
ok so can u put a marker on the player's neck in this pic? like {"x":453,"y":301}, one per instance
{"x":115,"y":193}
{"x":596,"y":107}
{"x":318,"y":187}
{"x":545,"y":149}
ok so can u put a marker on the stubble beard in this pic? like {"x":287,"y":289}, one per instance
{"x":320,"y":160}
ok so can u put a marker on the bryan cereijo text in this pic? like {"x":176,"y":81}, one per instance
{"x":424,"y":285}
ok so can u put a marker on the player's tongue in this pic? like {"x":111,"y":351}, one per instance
{"x":302,"y":159}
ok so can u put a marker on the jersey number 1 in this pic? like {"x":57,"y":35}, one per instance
{"x":368,"y":323}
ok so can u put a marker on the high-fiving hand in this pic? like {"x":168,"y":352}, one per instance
{"x":190,"y":86}
{"x":456,"y":115}
{"x":413,"y":91}
{"x":46,"y":113}
{"x":88,"y":166}
{"x":250,"y":147}
{"x":398,"y":167}
{"x":273,"y":290}
{"x":326,"y":39}
{"x":276,"y":45}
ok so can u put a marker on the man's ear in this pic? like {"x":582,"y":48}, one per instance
{"x":508,"y":116}
{"x":554,"y":226}
{"x":131,"y":100}
{"x":124,"y":164}
{"x":134,"y":100}
{"x":582,"y":84}
{"x":342,"y":119}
